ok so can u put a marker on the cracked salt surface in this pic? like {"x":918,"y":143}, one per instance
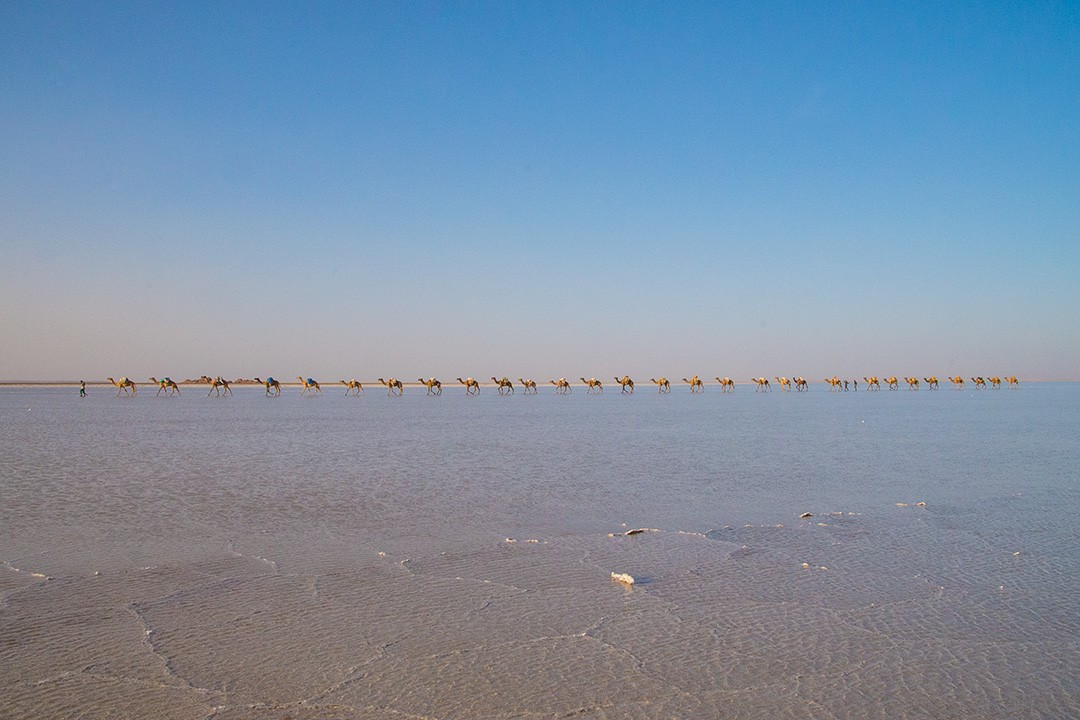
{"x":260,"y":572}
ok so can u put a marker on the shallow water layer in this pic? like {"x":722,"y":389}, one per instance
{"x":451,"y":557}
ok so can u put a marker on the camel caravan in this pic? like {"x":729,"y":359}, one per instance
{"x":309,"y":387}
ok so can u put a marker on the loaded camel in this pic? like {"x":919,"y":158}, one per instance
{"x":695,"y":383}
{"x":434,"y":387}
{"x":270,"y":384}
{"x":726,"y":384}
{"x":529,"y":385}
{"x":593,"y":383}
{"x":562,"y":386}
{"x":352,"y":385}
{"x":957,"y":382}
{"x":124,"y":385}
{"x":626,"y":383}
{"x":801,"y":385}
{"x":167,"y":384}
{"x":872,"y":383}
{"x":391,"y":385}
{"x":785,"y":384}
{"x":1013,"y":382}
{"x":219,"y":384}
{"x":912,"y":383}
{"x":762,"y":384}
{"x":471,"y":386}
{"x":310,"y":386}
{"x":663,"y":385}
{"x":980,"y":384}
{"x":835,"y":383}
{"x":931,"y":382}
{"x":505,"y":386}
{"x":894,"y":384}
{"x":995,"y":382}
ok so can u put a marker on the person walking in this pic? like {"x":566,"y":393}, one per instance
{"x":82,"y":388}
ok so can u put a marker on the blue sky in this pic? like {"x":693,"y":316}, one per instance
{"x":558,"y":189}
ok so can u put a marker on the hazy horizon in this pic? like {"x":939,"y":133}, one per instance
{"x":422,"y":189}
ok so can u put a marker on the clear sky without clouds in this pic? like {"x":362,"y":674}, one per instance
{"x":539,"y":189}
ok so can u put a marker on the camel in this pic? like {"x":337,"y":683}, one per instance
{"x":1013,"y":382}
{"x":957,"y":382}
{"x":170,"y":387}
{"x":125,"y":385}
{"x":801,"y":385}
{"x":726,"y":384}
{"x":217,"y":385}
{"x":762,"y":384}
{"x":593,"y":383}
{"x":995,"y":382}
{"x":912,"y":383}
{"x":352,"y":385}
{"x":561,"y":386}
{"x":529,"y":385}
{"x":270,"y":384}
{"x":471,"y":386}
{"x":785,"y":384}
{"x":894,"y":384}
{"x":663,"y":385}
{"x":434,"y":387}
{"x":931,"y":382}
{"x":310,"y":386}
{"x":835,"y":384}
{"x":391,"y":385}
{"x":695,"y":383}
{"x":980,"y":384}
{"x":872,"y":383}
{"x":505,"y":386}
{"x":626,"y":383}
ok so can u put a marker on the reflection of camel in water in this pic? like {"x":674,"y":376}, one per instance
{"x":593,"y":383}
{"x":352,"y":385}
{"x":562,"y":386}
{"x":762,"y":384}
{"x":434,"y":387}
{"x":124,"y":385}
{"x":726,"y":384}
{"x":785,"y":384}
{"x":219,"y":384}
{"x":170,"y":387}
{"x":505,"y":386}
{"x":801,"y":385}
{"x":529,"y":385}
{"x":1013,"y":382}
{"x":664,"y":385}
{"x":270,"y":384}
{"x":393,"y":384}
{"x":894,"y":384}
{"x":957,"y":382}
{"x":626,"y":383}
{"x":835,"y":383}
{"x":980,"y":384}
{"x":912,"y":383}
{"x":695,"y":383}
{"x":872,"y":383}
{"x":471,"y":386}
{"x":995,"y":382}
{"x":310,"y":386}
{"x":931,"y":382}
